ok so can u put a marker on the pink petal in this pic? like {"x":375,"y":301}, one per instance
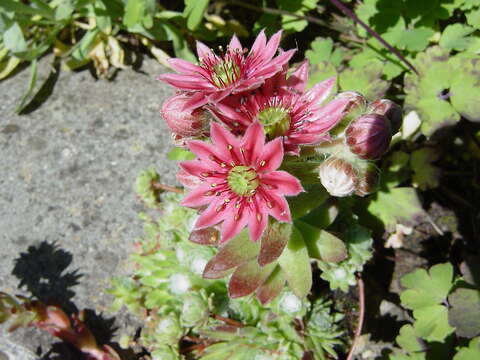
{"x":185,"y":82}
{"x":253,"y":142}
{"x":195,"y":167}
{"x":320,"y":92}
{"x":229,"y":113}
{"x":280,"y":209}
{"x":298,"y":79}
{"x":258,"y":219}
{"x":272,"y":46}
{"x":259,"y":45}
{"x":235,"y":44}
{"x":326,"y":117}
{"x":272,"y":155}
{"x":197,"y":100}
{"x":215,"y":213}
{"x":203,"y":50}
{"x":196,"y":197}
{"x":282,"y":182}
{"x":184,"y":66}
{"x":232,"y":227}
{"x":225,"y":142}
{"x":206,"y":152}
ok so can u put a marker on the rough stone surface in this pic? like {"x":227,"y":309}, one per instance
{"x":68,"y":212}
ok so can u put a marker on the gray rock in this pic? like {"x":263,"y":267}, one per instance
{"x":68,"y":212}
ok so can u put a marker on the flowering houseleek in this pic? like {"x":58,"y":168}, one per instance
{"x":217,"y":76}
{"x":241,"y":185}
{"x":285,"y":109}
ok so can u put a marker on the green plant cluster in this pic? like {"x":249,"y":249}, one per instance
{"x":178,"y":305}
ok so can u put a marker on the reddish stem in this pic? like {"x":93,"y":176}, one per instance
{"x":164,"y":187}
{"x":358,"y":331}
{"x":228,"y":321}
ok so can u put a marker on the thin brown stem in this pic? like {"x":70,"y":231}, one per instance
{"x":228,"y":321}
{"x":273,"y":11}
{"x":361,"y":316}
{"x":339,"y":5}
{"x":164,"y":187}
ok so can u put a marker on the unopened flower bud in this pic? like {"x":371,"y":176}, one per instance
{"x":388,"y":108}
{"x":338,"y":177}
{"x":355,"y":107}
{"x":190,"y":123}
{"x":367,"y":180}
{"x":369,"y":136}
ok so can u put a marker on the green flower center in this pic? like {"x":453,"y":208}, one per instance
{"x":275,"y":120}
{"x":243,"y":180}
{"x":225,"y":72}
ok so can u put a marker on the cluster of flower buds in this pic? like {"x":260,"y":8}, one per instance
{"x":240,"y":111}
{"x":364,"y":134}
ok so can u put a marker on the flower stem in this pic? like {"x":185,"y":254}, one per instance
{"x":361,"y":316}
{"x":338,"y":4}
{"x":164,"y":187}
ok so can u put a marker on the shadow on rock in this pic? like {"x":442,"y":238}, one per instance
{"x":41,"y":270}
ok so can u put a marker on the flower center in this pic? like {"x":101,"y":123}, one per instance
{"x":275,"y":120}
{"x":225,"y":72}
{"x":243,"y":180}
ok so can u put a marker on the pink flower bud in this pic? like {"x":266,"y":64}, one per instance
{"x":369,"y":136}
{"x":338,"y":177}
{"x":355,"y":107}
{"x":190,"y":123}
{"x":388,"y":108}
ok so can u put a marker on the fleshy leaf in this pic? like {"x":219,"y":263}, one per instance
{"x":303,"y":203}
{"x":464,"y":313}
{"x":247,"y":278}
{"x":273,"y":242}
{"x":271,"y":288}
{"x":208,"y":236}
{"x":295,"y":262}
{"x":180,"y":154}
{"x":234,"y":253}
{"x":321,"y":244}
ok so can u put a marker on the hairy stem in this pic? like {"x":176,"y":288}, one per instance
{"x":164,"y":187}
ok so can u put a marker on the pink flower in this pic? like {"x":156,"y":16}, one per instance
{"x":218,"y":76}
{"x":240,"y":184}
{"x":285,"y":109}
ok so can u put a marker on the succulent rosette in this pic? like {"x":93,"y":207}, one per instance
{"x":233,"y":71}
{"x":241,"y":185}
{"x":286,"y":109}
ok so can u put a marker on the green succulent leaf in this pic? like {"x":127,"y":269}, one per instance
{"x":237,"y":251}
{"x":272,"y":287}
{"x":464,"y":312}
{"x":273,"y":242}
{"x":194,"y":11}
{"x":248,"y":277}
{"x":295,"y":263}
{"x":321,"y":244}
{"x":180,"y":154}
